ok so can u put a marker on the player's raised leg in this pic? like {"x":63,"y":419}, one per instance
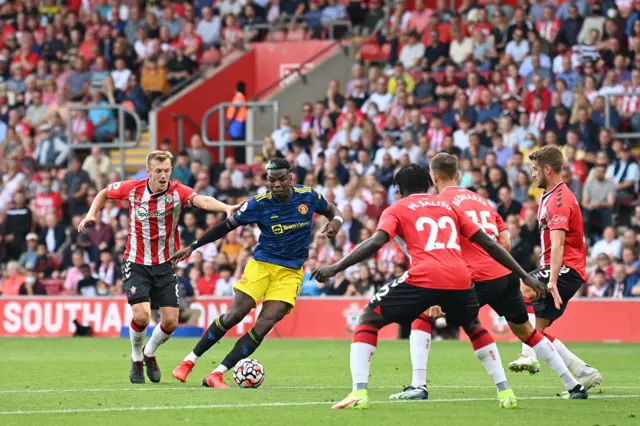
{"x":241,"y":306}
{"x":272,"y":312}
{"x":420,"y":344}
{"x":137,"y":332}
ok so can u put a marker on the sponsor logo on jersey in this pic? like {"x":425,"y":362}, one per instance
{"x":143,"y":214}
{"x":280,"y":229}
{"x":557,"y":219}
{"x":303,"y":209}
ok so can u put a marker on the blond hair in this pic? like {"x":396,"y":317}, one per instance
{"x":159,"y":156}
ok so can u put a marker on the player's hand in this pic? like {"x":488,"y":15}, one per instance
{"x":535,"y":284}
{"x":435,"y":312}
{"x":332,"y":228}
{"x":323,"y":273}
{"x":88,"y":220}
{"x":180,"y":255}
{"x":553,"y":289}
{"x":230,"y":210}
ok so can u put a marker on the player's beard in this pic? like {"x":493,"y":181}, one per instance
{"x":542,"y":182}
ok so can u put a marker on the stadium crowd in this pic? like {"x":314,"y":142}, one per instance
{"x":487,"y":82}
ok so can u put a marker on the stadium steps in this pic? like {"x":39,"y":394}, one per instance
{"x":134,"y":158}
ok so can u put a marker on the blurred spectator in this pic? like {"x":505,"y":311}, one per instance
{"x":18,"y":223}
{"x":32,"y":285}
{"x":609,"y":244}
{"x":13,"y":279}
{"x":598,"y":199}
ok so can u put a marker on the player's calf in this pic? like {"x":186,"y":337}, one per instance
{"x":487,"y":352}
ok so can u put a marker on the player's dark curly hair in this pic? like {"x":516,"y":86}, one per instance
{"x":278,"y":164}
{"x":413,"y":179}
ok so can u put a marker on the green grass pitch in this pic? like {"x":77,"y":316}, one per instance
{"x":85,"y":382}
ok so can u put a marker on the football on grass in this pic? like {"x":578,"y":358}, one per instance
{"x":248,"y":373}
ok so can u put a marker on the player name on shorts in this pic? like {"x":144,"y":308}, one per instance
{"x":428,"y":203}
{"x":458,"y":199}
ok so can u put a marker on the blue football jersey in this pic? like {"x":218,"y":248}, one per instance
{"x":285,"y":226}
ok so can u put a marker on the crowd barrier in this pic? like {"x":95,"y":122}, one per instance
{"x":313,"y":318}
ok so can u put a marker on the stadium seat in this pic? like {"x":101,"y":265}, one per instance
{"x":52,"y":286}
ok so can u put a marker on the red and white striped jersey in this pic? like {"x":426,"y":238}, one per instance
{"x":436,"y":137}
{"x":474,"y":93}
{"x":537,"y":119}
{"x":629,"y":103}
{"x":548,"y":29}
{"x":559,"y":209}
{"x":153,"y":234}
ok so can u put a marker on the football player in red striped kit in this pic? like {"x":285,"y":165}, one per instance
{"x":155,"y":205}
{"x":563,"y":262}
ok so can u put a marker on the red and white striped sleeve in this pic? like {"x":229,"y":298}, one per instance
{"x":120,"y":190}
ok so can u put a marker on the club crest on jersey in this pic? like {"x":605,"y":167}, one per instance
{"x":169,"y":199}
{"x":303,"y":209}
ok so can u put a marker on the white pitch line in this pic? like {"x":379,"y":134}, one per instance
{"x":186,"y":388}
{"x":270,"y":404}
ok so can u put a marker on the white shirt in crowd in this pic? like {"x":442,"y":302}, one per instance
{"x":281,"y":137}
{"x":383,"y":101}
{"x":394,"y":152}
{"x":518,"y":51}
{"x":121,"y":78}
{"x":612,"y":249}
{"x":225,"y":287}
{"x":357,"y":205}
{"x":461,"y":139}
{"x":413,"y":151}
{"x":411,"y":54}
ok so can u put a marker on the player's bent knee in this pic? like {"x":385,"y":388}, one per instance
{"x":371,"y":318}
{"x":264,"y":325}
{"x":141,"y":316}
{"x":471,"y":326}
{"x":521,"y":331}
{"x":170,"y":324}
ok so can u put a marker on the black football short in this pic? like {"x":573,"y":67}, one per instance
{"x":504,"y":296}
{"x":157,"y":284}
{"x":402,"y":302}
{"x":569,"y":282}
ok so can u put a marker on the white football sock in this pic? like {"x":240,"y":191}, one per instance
{"x":490,"y":358}
{"x":360,"y":363}
{"x":419,"y":344}
{"x":526,"y":349}
{"x":578,"y":366}
{"x":157,"y":338}
{"x":137,"y":342}
{"x":192,"y":357}
{"x":545,"y":350}
{"x":221,"y":369}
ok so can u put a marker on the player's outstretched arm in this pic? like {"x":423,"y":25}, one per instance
{"x":96,"y":205}
{"x":213,"y":234}
{"x":211,"y":204}
{"x":335,"y":221}
{"x":363,"y":251}
{"x":500,"y":255}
